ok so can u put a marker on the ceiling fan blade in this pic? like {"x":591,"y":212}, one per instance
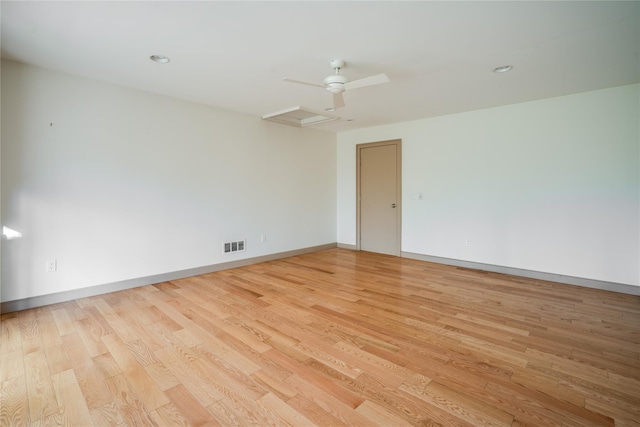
{"x":338,"y":100}
{"x":301,"y":82}
{"x":367,"y":81}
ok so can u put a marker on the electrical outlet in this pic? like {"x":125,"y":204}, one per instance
{"x":52,"y":266}
{"x":467,"y":242}
{"x":263,"y":238}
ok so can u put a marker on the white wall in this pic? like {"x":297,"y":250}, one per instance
{"x":127,"y":184}
{"x":551,"y":186}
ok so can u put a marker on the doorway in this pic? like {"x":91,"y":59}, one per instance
{"x":378,"y":171}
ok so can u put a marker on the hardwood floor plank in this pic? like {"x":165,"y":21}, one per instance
{"x":389,"y":372}
{"x":235,"y":352}
{"x":189,"y":407}
{"x":162,"y":376}
{"x":146,"y":389}
{"x":48,"y":330}
{"x":404,"y":405}
{"x":282,"y":412}
{"x":240,"y":331}
{"x":314,"y":413}
{"x":75,"y":351}
{"x":30,"y":336}
{"x":106,"y":366}
{"x":107,"y":416}
{"x":73,"y":309}
{"x":143,"y":354}
{"x":56,"y":359}
{"x":90,"y":335}
{"x":331,"y":338}
{"x":53,"y":420}
{"x":89,"y":377}
{"x":624,"y":415}
{"x":328,"y":402}
{"x":548,"y":385}
{"x":11,"y":339}
{"x":189,"y":339}
{"x":536,"y":407}
{"x":273,"y":384}
{"x":464,"y":406}
{"x":326,"y":355}
{"x":630,"y":385}
{"x":14,"y":402}
{"x":316,"y":378}
{"x":220,"y":371}
{"x":170,"y":415}
{"x":73,"y":407}
{"x":236,"y":412}
{"x":201,"y":388}
{"x":11,"y":365}
{"x":122,"y":327}
{"x":41,"y":397}
{"x":272,"y":334}
{"x":129,"y":403}
{"x":584,"y":386}
{"x":380,"y":416}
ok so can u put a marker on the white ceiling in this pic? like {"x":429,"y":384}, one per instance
{"x":233,"y":55}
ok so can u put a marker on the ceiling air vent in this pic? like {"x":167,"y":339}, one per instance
{"x":299,"y":116}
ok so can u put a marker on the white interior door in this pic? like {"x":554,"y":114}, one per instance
{"x":379,"y":197}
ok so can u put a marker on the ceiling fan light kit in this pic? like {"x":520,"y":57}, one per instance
{"x":335,"y":83}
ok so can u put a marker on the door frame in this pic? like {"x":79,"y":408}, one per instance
{"x":398,"y":145}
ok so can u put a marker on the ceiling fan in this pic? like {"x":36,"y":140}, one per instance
{"x":337,"y":83}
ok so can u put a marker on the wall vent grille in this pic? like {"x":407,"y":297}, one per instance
{"x":231,"y":247}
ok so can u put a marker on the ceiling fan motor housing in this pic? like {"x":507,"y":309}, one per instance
{"x":335,"y":83}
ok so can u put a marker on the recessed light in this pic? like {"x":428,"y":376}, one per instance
{"x":330,"y":109}
{"x":160,"y":59}
{"x":503,"y":69}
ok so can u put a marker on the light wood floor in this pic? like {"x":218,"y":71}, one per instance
{"x":331,"y":339}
